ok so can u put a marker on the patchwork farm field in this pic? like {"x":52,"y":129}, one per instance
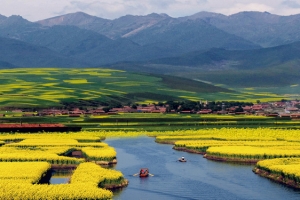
{"x":26,"y":162}
{"x":51,"y":86}
{"x":25,"y":159}
{"x":151,"y":121}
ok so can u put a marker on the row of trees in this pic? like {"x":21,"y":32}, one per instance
{"x":170,"y":105}
{"x":213,"y":105}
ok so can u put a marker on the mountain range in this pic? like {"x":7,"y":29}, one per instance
{"x":261,"y":28}
{"x":156,"y":43}
{"x":265,"y":67}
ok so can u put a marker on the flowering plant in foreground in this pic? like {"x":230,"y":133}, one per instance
{"x":286,"y":167}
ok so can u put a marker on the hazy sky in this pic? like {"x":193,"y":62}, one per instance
{"x":34,"y":10}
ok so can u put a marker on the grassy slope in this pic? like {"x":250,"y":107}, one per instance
{"x":34,"y":87}
{"x":282,"y":80}
{"x":270,"y":68}
{"x":48,"y":87}
{"x":273,"y":67}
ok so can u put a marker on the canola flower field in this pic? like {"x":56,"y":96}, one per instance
{"x":54,"y":151}
{"x":275,"y":150}
{"x":152,"y":121}
{"x":286,"y":168}
{"x":26,"y":158}
{"x":17,"y":182}
{"x":29,"y":172}
{"x":50,"y":86}
{"x":92,"y":174}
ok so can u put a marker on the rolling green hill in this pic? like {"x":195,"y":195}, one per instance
{"x":247,"y":59}
{"x":268,"y":67}
{"x":52,"y":86}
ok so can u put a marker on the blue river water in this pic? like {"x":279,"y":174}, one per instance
{"x":198,"y":178}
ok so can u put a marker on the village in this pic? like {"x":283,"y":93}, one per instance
{"x":282,"y":109}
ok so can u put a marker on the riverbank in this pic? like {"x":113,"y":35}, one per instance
{"x":229,"y":159}
{"x":89,"y":172}
{"x":63,"y":166}
{"x":216,"y":158}
{"x":198,"y":178}
{"x":277,"y":178}
{"x":165,"y":141}
{"x":109,"y":186}
{"x":113,"y":162}
{"x":74,"y":166}
{"x":188,"y":150}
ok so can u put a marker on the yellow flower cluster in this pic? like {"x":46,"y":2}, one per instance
{"x":203,"y":145}
{"x":92,"y":174}
{"x":250,"y":152}
{"x":19,"y":190}
{"x":82,"y":136}
{"x":71,"y":136}
{"x":230,"y":134}
{"x":196,"y":143}
{"x":103,"y":154}
{"x":30,"y":172}
{"x":17,"y":179}
{"x":260,"y":143}
{"x":11,"y":154}
{"x":85,"y":182}
{"x":286,"y":167}
{"x":53,"y":150}
{"x":44,"y":143}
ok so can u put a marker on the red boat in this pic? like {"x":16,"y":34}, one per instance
{"x":144,"y":172}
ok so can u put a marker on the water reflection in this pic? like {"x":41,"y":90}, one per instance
{"x":60,"y":176}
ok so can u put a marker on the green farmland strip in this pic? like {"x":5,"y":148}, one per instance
{"x":51,"y":86}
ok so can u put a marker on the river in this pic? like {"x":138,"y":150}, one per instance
{"x":198,"y":178}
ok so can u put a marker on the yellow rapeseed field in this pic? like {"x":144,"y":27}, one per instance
{"x":238,"y":143}
{"x":286,"y":167}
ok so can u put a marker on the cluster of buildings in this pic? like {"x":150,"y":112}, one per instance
{"x":288,"y":109}
{"x":100,"y":111}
